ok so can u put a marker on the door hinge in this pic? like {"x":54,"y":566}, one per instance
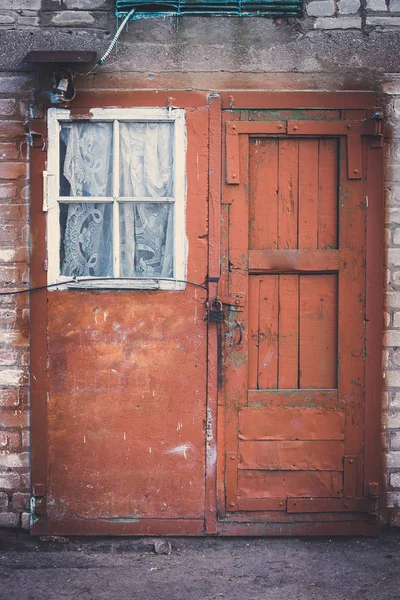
{"x":37,"y":140}
{"x":376,"y":115}
{"x":234,"y":302}
{"x":374,"y":494}
{"x":38,"y":501}
{"x":373,"y":489}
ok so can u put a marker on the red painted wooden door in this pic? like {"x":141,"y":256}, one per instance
{"x":294,"y":208}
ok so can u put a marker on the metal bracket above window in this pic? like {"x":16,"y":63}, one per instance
{"x":238,"y":8}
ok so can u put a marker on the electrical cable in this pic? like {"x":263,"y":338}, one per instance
{"x":107,"y":53}
{"x":83,"y":279}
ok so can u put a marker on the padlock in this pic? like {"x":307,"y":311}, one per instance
{"x":216,"y":313}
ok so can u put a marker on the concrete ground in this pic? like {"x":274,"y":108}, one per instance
{"x":201,"y":569}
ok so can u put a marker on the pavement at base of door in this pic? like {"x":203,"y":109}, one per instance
{"x":200,"y":568}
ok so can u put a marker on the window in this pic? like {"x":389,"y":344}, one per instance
{"x":116,"y":198}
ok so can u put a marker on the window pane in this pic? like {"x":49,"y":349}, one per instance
{"x":86,"y":240}
{"x":146,"y":237}
{"x":146,"y":159}
{"x":86,"y":159}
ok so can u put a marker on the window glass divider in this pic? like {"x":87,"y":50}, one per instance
{"x":116,"y":178}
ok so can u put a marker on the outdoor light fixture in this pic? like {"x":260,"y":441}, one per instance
{"x":63,"y":86}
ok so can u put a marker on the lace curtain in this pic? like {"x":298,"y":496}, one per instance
{"x":146,"y":171}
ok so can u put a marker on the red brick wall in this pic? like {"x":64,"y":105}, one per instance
{"x":15,"y":93}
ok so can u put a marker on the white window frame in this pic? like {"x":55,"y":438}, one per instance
{"x":52,"y":199}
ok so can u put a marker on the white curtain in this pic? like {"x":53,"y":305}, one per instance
{"x":86,"y":228}
{"x":146,"y":228}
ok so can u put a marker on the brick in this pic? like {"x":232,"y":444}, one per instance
{"x":72,"y":18}
{"x":86,"y":4}
{"x":393,"y":255}
{"x":9,"y":520}
{"x":10,"y":232}
{"x":393,"y":420}
{"x":12,"y":275}
{"x":391,"y":379}
{"x":338,"y":23}
{"x":13,"y":170}
{"x":10,"y":440}
{"x":392,"y":195}
{"x":395,"y":440}
{"x":25,"y":435}
{"x":8,"y":151}
{"x":14,"y":419}
{"x":396,"y":236}
{"x":12,"y":129}
{"x":13,"y":212}
{"x":9,"y":398}
{"x":25,"y":482}
{"x":394,"y":479}
{"x":376,"y":5}
{"x":9,"y":255}
{"x":8,"y":191}
{"x":387,"y":319}
{"x":393,"y":460}
{"x":3,"y":500}
{"x":321,"y":8}
{"x":7,"y":105}
{"x":393,"y":301}
{"x":25,"y":521}
{"x":9,"y":480}
{"x":384,"y":21}
{"x":10,"y":460}
{"x":394,"y":5}
{"x":11,"y":377}
{"x":7,"y":19}
{"x":9,"y":356}
{"x":20,"y":501}
{"x":348,"y":7}
{"x":29,"y":21}
{"x":393,"y":499}
{"x":391,"y":338}
{"x":21,"y":4}
{"x":394,"y":518}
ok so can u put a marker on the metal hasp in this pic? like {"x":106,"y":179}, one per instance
{"x":239,"y":8}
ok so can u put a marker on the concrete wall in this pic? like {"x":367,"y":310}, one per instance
{"x":336,"y":45}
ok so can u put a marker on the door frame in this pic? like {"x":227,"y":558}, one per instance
{"x":214,"y":403}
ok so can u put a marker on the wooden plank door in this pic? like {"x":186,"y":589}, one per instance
{"x":294,"y":206}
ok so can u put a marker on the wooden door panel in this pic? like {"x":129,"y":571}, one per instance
{"x":293,"y":193}
{"x":318,"y":331}
{"x":290,"y":484}
{"x":293,"y":331}
{"x":291,"y":424}
{"x":294,"y":414}
{"x":292,"y":455}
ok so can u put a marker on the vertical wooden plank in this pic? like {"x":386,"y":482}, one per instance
{"x":236,"y":373}
{"x":308,"y":193}
{"x":288,"y":194}
{"x":268,"y":334}
{"x":263,"y":186}
{"x":328,"y":194}
{"x":318,"y":331}
{"x":214,"y":266}
{"x":374,"y":311}
{"x":288,"y":369}
{"x":254,"y":328}
{"x":351,"y":339}
{"x":232,"y":154}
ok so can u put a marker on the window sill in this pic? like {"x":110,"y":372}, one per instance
{"x":118,"y":284}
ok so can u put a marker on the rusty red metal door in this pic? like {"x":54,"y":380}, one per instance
{"x":294,"y":248}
